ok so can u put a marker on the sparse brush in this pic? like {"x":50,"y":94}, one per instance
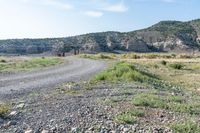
{"x":156,"y":66}
{"x":173,"y":103}
{"x":126,"y":117}
{"x":104,"y":56}
{"x":173,"y":55}
{"x":163,"y":62}
{"x":178,"y":66}
{"x":3,"y":61}
{"x":185,"y":56}
{"x":121,"y":71}
{"x":4,"y":109}
{"x":130,"y":116}
{"x":186,"y":127}
{"x":137,"y":112}
{"x":148,"y":100}
{"x":98,"y":56}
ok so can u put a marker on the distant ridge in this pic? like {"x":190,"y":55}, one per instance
{"x":165,"y":36}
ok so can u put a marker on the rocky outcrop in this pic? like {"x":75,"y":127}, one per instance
{"x":165,"y":36}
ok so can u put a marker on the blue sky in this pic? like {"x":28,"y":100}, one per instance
{"x":61,"y":18}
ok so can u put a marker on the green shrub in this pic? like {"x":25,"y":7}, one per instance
{"x":186,"y":127}
{"x":156,"y":66}
{"x":173,"y":55}
{"x":184,"y":108}
{"x":3,"y":61}
{"x":98,"y":56}
{"x":185,"y":56}
{"x":151,"y":56}
{"x":126,"y":118}
{"x":122,"y":71}
{"x":130,"y":116}
{"x":163,"y":62}
{"x":136,"y":112}
{"x":127,"y":72}
{"x":4,"y":109}
{"x":149,"y":100}
{"x":104,"y":56}
{"x":177,"y":66}
{"x":177,"y":107}
{"x":133,"y":56}
{"x":177,"y":99}
{"x":173,"y":103}
{"x":102,"y":76}
{"x":116,"y":99}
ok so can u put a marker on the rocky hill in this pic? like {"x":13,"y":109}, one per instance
{"x":165,"y":36}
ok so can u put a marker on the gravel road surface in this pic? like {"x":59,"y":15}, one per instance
{"x":73,"y":70}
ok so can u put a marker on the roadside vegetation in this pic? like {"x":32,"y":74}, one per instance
{"x":172,"y":85}
{"x":139,"y":56}
{"x":182,"y":70}
{"x":4,"y":109}
{"x":169,"y":102}
{"x":13,"y":64}
{"x":123,"y":71}
{"x":186,"y":127}
{"x":129,"y":116}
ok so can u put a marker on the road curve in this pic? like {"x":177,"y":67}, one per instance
{"x":74,"y":69}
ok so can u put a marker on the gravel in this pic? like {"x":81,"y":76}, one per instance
{"x":74,"y":69}
{"x":58,"y":111}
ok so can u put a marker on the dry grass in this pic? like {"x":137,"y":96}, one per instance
{"x":4,"y":109}
{"x":10,"y":64}
{"x":188,"y":77}
{"x":180,"y":69}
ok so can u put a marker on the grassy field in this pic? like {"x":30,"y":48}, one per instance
{"x":13,"y":64}
{"x":172,"y":84}
{"x":183,"y":72}
{"x":180,"y":69}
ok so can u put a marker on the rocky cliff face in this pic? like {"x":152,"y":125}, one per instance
{"x":165,"y":36}
{"x":170,"y":36}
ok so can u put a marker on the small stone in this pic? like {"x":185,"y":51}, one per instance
{"x":20,"y":106}
{"x":53,"y":129}
{"x":121,"y":127}
{"x":69,"y":86}
{"x":91,"y":129}
{"x":45,"y":131}
{"x":125,"y":130}
{"x":13,"y":113}
{"x":75,"y":130}
{"x":28,"y":131}
{"x":88,"y":132}
{"x":52,"y":120}
{"x":10,"y":123}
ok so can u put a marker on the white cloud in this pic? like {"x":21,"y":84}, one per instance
{"x":119,"y":7}
{"x":94,"y":14}
{"x":58,"y":4}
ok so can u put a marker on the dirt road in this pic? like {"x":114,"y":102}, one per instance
{"x":73,"y":70}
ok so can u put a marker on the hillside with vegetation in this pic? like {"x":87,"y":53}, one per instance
{"x":165,"y":36}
